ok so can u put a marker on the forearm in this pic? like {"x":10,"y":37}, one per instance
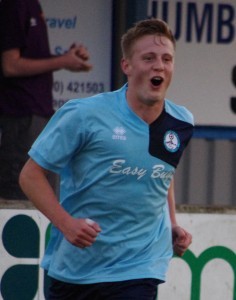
{"x":181,"y":238}
{"x":14,"y":65}
{"x":23,"y":67}
{"x":171,"y":203}
{"x":34,"y":183}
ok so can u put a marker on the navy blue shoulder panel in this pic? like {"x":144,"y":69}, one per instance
{"x":169,"y":137}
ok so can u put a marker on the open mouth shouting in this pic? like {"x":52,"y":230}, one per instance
{"x":157,"y":80}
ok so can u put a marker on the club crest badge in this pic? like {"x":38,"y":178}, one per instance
{"x":171,"y":141}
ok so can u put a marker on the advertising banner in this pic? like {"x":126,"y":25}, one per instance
{"x":206,"y":271}
{"x":87,"y":22}
{"x":205,"y":73}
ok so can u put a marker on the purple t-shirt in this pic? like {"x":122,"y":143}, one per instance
{"x":22,"y":26}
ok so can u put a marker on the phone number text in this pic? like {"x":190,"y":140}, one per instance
{"x":77,"y":87}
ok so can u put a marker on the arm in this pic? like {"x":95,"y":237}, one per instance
{"x":34,"y":183}
{"x":13,"y":65}
{"x":181,"y":238}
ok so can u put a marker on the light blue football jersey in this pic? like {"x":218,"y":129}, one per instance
{"x":115,"y":169}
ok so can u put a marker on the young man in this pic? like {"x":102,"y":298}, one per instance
{"x":116,"y":154}
{"x":26,"y":85}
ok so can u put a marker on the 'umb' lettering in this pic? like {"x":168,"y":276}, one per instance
{"x":196,"y":21}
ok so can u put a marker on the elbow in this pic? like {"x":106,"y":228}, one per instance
{"x":8,"y":71}
{"x":10,"y":62}
{"x":25,"y":177}
{"x":9,"y":66}
{"x":22,"y":180}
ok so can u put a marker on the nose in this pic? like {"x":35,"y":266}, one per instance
{"x":158,"y":64}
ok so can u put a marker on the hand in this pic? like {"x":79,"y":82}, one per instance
{"x":181,"y":240}
{"x":76,"y":59}
{"x":81,"y":232}
{"x":80,"y":51}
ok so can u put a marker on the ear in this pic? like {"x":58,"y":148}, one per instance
{"x":125,"y":66}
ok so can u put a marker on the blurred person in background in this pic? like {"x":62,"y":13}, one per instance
{"x":26,"y":85}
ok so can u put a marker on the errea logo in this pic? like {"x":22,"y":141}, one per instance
{"x":119,"y":134}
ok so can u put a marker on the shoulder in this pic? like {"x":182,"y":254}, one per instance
{"x":179,"y":112}
{"x":104,"y":100}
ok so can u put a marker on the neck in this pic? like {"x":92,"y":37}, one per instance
{"x":149,"y":112}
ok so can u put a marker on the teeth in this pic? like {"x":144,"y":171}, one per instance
{"x":156,"y":81}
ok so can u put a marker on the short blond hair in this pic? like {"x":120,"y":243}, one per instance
{"x":142,"y":28}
